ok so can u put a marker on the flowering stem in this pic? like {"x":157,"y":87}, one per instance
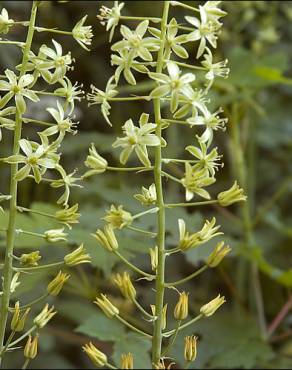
{"x":38,"y":122}
{"x":109,"y":366}
{"x":11,"y":336}
{"x":144,"y":312}
{"x":183,"y":5}
{"x":171,"y":332}
{"x":8,"y":270}
{"x":129,"y":169}
{"x":18,"y":43}
{"x":181,"y":281}
{"x":130,"y":326}
{"x":19,"y":231}
{"x":171,"y":342}
{"x":26,"y":363}
{"x":160,"y":272}
{"x":146,"y":232}
{"x":133,"y":267}
{"x":37,"y":300}
{"x":203,"y":203}
{"x":151,"y":19}
{"x":151,"y":210}
{"x":39,"y":268}
{"x":170,"y":177}
{"x":26,"y":334}
{"x":43,"y":29}
{"x":130,"y":98}
{"x":185,"y":65}
{"x":23,"y":209}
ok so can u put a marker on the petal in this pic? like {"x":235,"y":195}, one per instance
{"x":142,"y":28}
{"x":142,"y":154}
{"x":23,"y":173}
{"x":26,"y":147}
{"x":173,"y":70}
{"x":160,"y":91}
{"x":125,"y":154}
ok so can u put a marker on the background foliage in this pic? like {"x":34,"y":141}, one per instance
{"x":257,"y":100}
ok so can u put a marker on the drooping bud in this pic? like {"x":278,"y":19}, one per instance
{"x":98,"y":358}
{"x":127,"y":361}
{"x":125,"y":285}
{"x":44,"y":316}
{"x":68,"y":215}
{"x":233,"y":195}
{"x":148,"y":196}
{"x":154,"y":257}
{"x":190,"y":352}
{"x":31,"y":347}
{"x":107,"y":238}
{"x":218,"y":254}
{"x":181,"y":310}
{"x":77,"y":257}
{"x":164,"y":314}
{"x":18,"y":320}
{"x":55,"y":235}
{"x":210,"y":308}
{"x":30,"y":259}
{"x":118,"y":217}
{"x":56,"y":285}
{"x":96,"y":162}
{"x":106,"y":306}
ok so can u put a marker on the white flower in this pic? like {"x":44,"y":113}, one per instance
{"x":63,"y":124}
{"x":98,"y":96}
{"x":5,"y":22}
{"x":82,"y":34}
{"x":214,"y":69}
{"x":173,"y":84}
{"x":70,"y":92}
{"x":207,"y":31}
{"x":192,"y":102}
{"x":137,"y":138}
{"x":148,"y":196}
{"x":111,"y":17}
{"x":213,"y":122}
{"x":56,"y":60}
{"x":17,"y":87}
{"x":37,"y":159}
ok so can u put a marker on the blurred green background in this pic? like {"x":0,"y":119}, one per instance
{"x":256,"y":39}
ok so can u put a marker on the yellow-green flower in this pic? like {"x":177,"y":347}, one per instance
{"x":181,"y":310}
{"x":210,"y":308}
{"x":98,"y":358}
{"x":106,"y":306}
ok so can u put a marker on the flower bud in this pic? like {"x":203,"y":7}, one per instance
{"x":31,"y":347}
{"x":30,"y":259}
{"x":164,"y":312}
{"x":95,"y":162}
{"x":5,"y":22}
{"x":127,"y":361}
{"x":210,"y":308}
{"x":55,"y":235}
{"x":68,"y":215}
{"x":148,"y":196}
{"x":190,"y":353}
{"x":107,"y":238}
{"x":44,"y":316}
{"x":18,"y":321}
{"x":98,"y":358}
{"x":181,"y":310}
{"x":56,"y":285}
{"x":154,"y":257}
{"x":233,"y":195}
{"x":106,"y":306}
{"x":125,"y":285}
{"x":77,"y":257}
{"x":218,"y":254}
{"x":118,"y":218}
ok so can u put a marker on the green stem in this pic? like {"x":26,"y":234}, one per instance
{"x":151,"y":19}
{"x":39,"y":268}
{"x":129,"y":169}
{"x":138,"y":215}
{"x":144,"y":312}
{"x":197,"y":318}
{"x":7,"y":274}
{"x":23,"y":209}
{"x":36,"y":121}
{"x":171,"y":342}
{"x":26,"y":363}
{"x":43,"y":29}
{"x":183,"y":5}
{"x":109,"y":366}
{"x":185,"y":65}
{"x":130,"y":326}
{"x":165,"y":174}
{"x":146,"y":232}
{"x":130,"y":98}
{"x":160,"y":272}
{"x":11,"y":336}
{"x":28,"y":305}
{"x":172,"y":205}
{"x":26,"y":334}
{"x":133,"y":267}
{"x":181,"y":281}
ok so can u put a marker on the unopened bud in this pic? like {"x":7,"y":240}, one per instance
{"x":56,"y":285}
{"x":181,"y":310}
{"x":77,"y":257}
{"x":98,"y":358}
{"x":18,"y":320}
{"x":56,"y":235}
{"x":127,"y":361}
{"x":106,"y":306}
{"x":210,"y":308}
{"x":190,"y":352}
{"x":31,"y":347}
{"x":125,"y":285}
{"x":107,"y":238}
{"x":30,"y":259}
